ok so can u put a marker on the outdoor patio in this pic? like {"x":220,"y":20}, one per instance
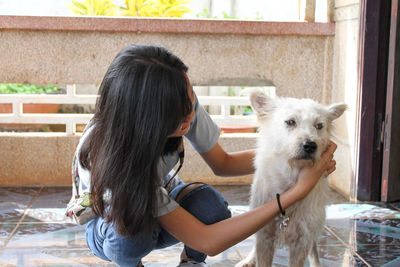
{"x":311,"y":59}
{"x":34,"y":232}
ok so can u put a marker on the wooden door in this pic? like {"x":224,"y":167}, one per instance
{"x":391,"y":144}
{"x":373,"y":66}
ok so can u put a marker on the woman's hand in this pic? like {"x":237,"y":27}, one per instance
{"x":309,"y":176}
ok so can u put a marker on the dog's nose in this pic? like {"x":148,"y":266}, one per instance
{"x":309,"y":147}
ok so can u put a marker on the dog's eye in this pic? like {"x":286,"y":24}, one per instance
{"x":319,"y":126}
{"x":290,"y":122}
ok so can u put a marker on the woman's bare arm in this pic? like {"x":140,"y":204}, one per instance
{"x":229,"y":164}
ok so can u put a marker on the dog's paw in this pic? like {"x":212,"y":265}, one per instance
{"x":249,"y":261}
{"x":245,"y":263}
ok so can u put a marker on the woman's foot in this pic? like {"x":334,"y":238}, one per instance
{"x":187,"y":262}
{"x":191,"y":263}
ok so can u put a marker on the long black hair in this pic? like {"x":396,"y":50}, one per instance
{"x":143,"y":99}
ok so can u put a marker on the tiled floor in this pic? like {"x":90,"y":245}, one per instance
{"x":34,"y":232}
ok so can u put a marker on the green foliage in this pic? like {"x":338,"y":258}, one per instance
{"x":206,"y":14}
{"x":155,"y":8}
{"x":238,"y":110}
{"x":227,"y":16}
{"x":134,"y":8}
{"x":247,"y":110}
{"x":94,"y":8}
{"x":258,"y":16}
{"x":21,"y":88}
{"x":131,"y":8}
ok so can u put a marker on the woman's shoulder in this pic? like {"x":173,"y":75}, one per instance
{"x":86,"y":132}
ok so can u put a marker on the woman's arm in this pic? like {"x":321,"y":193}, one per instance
{"x":229,"y":164}
{"x":215,"y":238}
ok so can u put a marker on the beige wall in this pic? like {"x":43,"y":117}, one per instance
{"x":297,"y":65}
{"x":345,"y":78}
{"x":298,"y":62}
{"x":35,"y":159}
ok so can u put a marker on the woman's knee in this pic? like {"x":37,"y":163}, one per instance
{"x":204,"y":202}
{"x":188,"y":188}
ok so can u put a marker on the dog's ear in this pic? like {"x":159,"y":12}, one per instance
{"x":261,"y":103}
{"x":336,"y":110}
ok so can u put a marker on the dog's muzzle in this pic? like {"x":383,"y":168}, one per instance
{"x":308,"y":149}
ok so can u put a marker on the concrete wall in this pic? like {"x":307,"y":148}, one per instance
{"x":294,"y":57}
{"x":297,"y":61}
{"x":36,"y":159}
{"x":345,"y":79}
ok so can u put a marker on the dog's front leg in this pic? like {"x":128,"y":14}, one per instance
{"x":249,"y":261}
{"x":298,"y":254}
{"x":265,"y":245}
{"x":313,"y":257}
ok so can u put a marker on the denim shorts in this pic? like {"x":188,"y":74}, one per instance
{"x":204,"y":202}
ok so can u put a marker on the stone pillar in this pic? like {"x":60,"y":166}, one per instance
{"x":307,"y":10}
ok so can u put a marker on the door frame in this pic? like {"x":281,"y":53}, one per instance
{"x":390,"y":190}
{"x":373,"y":65}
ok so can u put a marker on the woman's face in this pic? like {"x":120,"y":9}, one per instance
{"x":184,"y":126}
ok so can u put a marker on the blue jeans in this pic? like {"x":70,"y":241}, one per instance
{"x":204,"y":202}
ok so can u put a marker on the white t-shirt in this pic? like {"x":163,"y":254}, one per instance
{"x":203,"y":135}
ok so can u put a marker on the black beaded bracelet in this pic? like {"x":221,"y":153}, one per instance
{"x":279,"y":205}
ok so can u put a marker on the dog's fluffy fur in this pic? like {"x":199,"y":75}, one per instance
{"x":291,"y":129}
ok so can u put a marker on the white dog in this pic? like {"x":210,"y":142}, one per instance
{"x":293,"y":133}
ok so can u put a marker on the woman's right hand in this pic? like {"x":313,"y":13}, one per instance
{"x":309,"y":176}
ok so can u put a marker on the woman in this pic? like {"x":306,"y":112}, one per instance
{"x":126,"y":159}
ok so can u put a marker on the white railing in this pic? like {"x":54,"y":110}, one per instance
{"x":71,"y":120}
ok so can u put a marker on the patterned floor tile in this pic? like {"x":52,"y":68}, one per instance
{"x":338,"y":256}
{"x":59,"y":256}
{"x":5,"y":231}
{"x":395,"y":205}
{"x":354,"y":233}
{"x":48,"y":244}
{"x":14,"y":201}
{"x":50,"y":206}
{"x":380,"y":255}
{"x":378,"y":213}
{"x":362,"y":211}
{"x":12,"y":213}
{"x":48,"y":235}
{"x":393,"y":263}
{"x":327,"y":238}
{"x":366,"y":232}
{"x":56,"y":197}
{"x":330,"y":255}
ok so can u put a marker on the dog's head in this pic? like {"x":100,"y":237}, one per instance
{"x":299,"y":129}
